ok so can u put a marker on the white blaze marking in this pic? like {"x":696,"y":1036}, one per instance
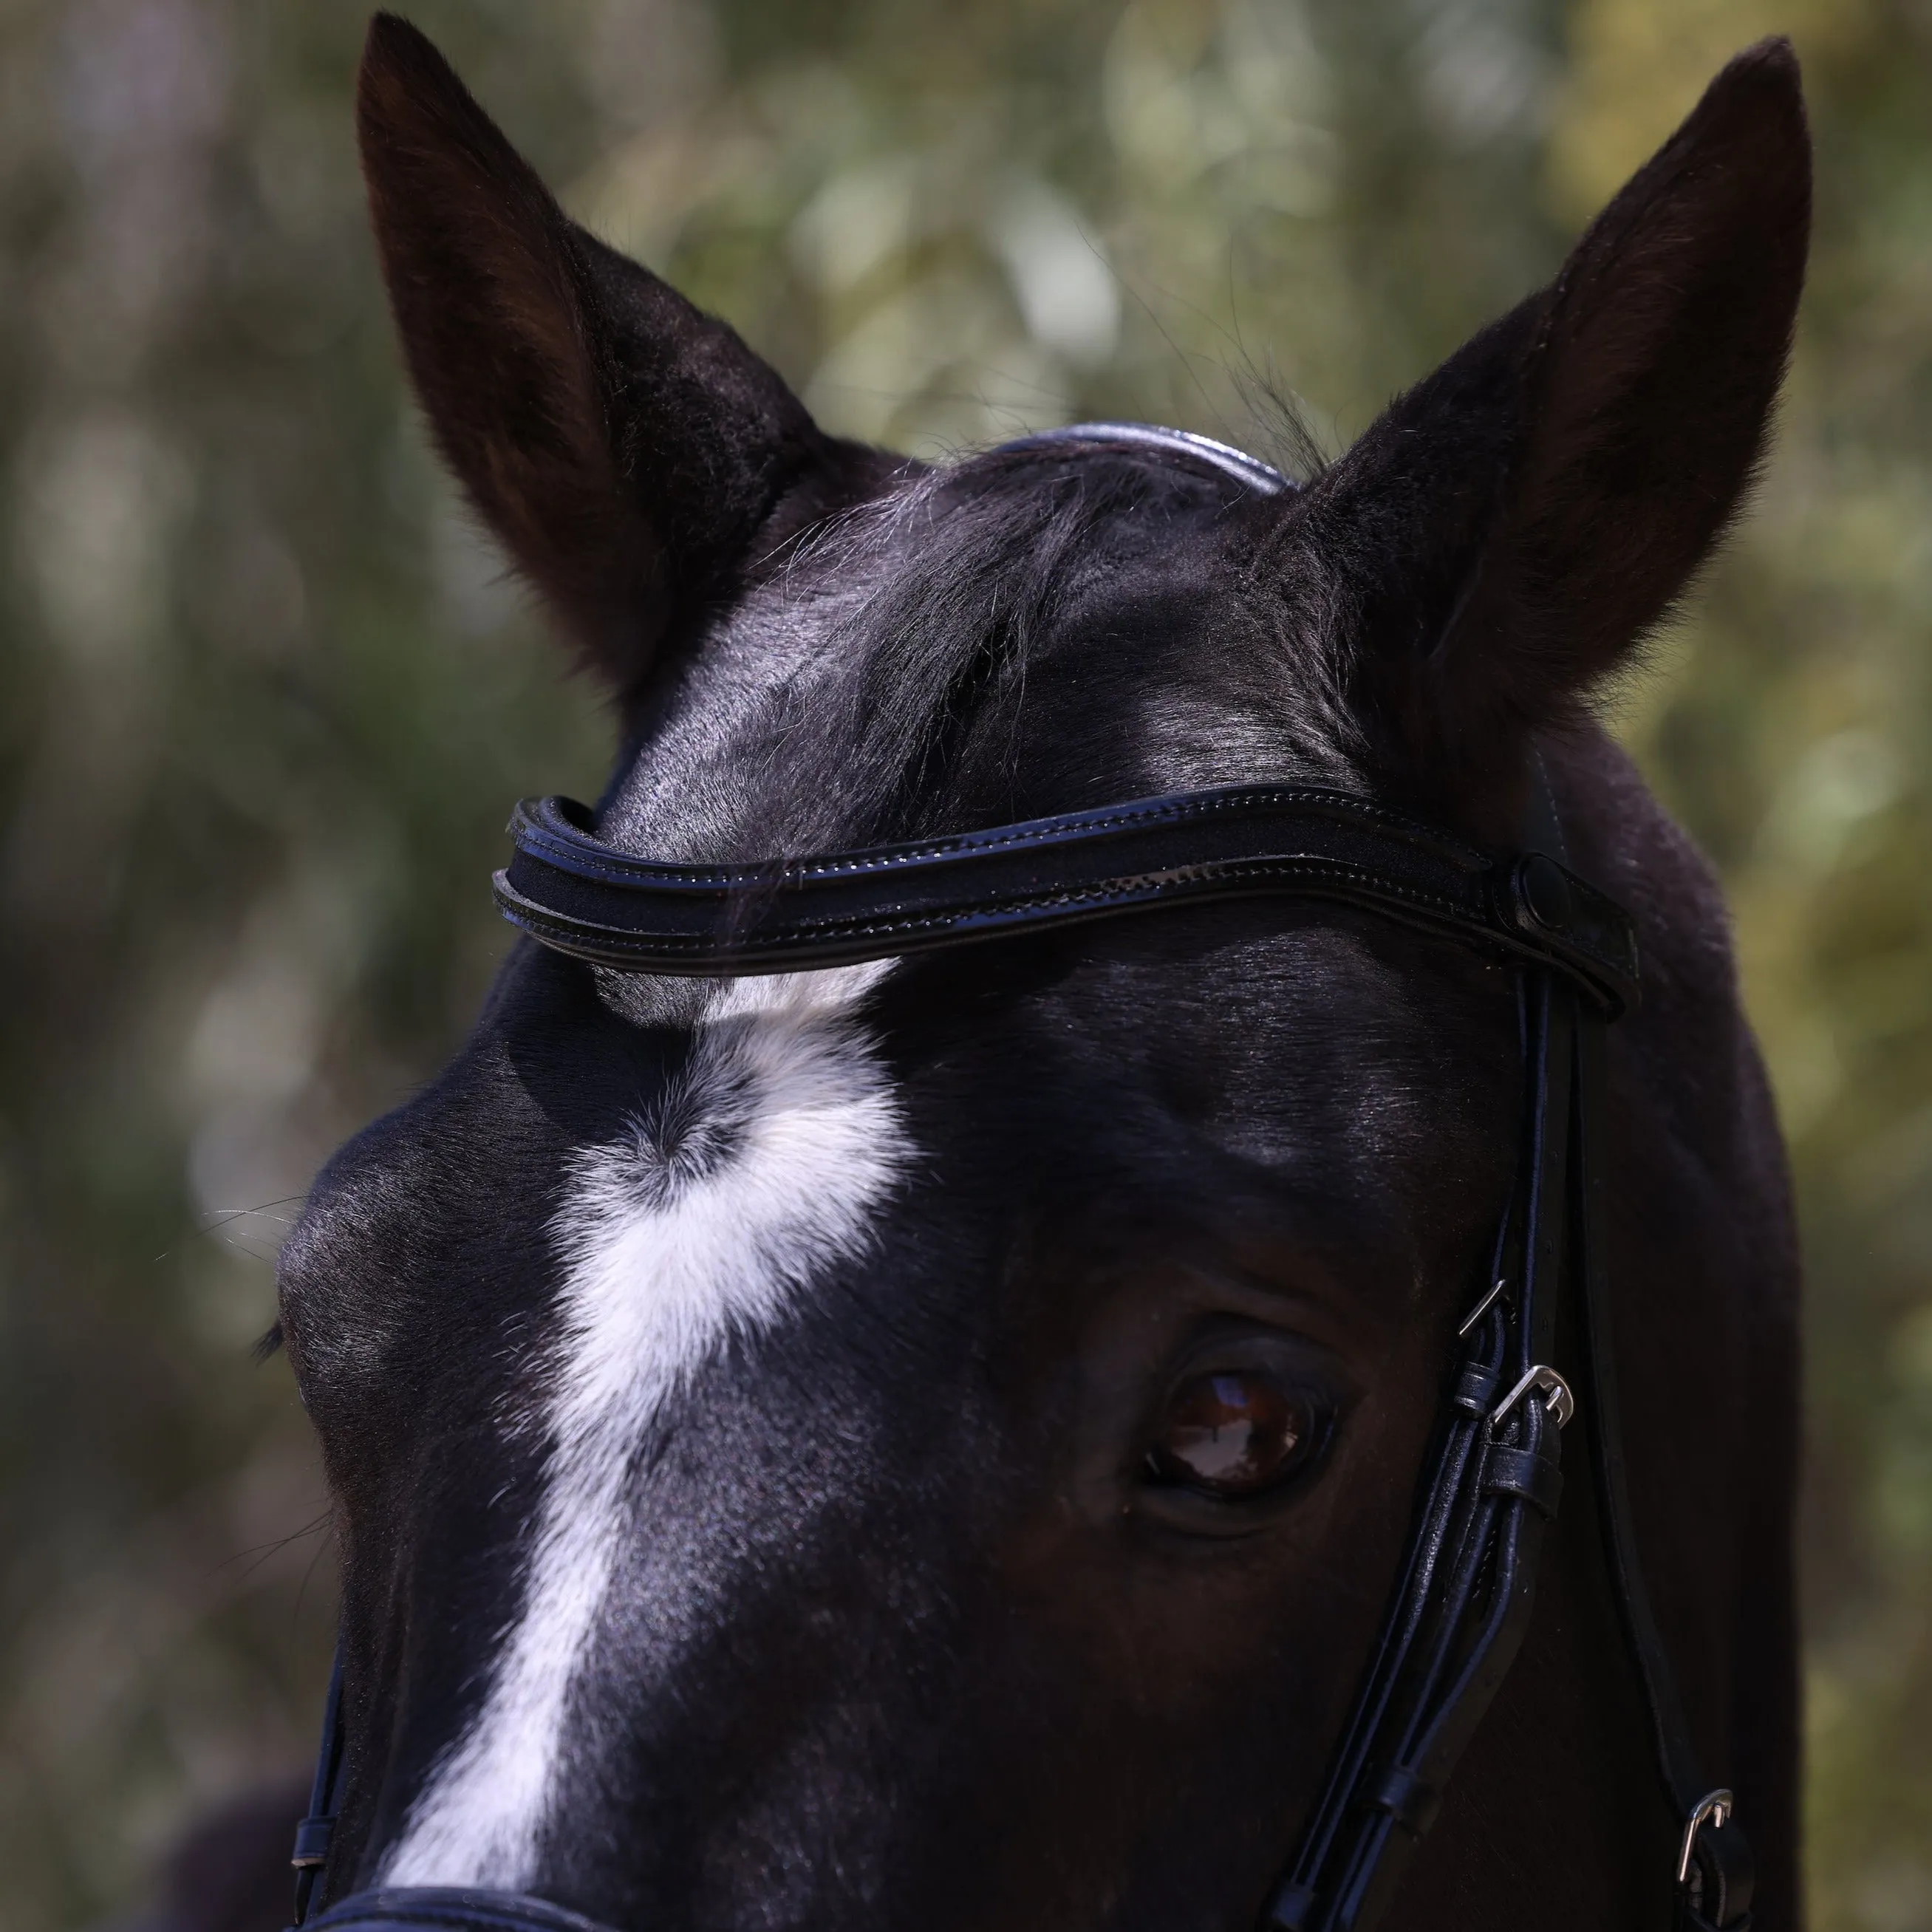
{"x":662,"y":1268}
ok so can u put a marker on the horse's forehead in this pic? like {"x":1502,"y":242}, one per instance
{"x":802,"y":710}
{"x":754,"y":717}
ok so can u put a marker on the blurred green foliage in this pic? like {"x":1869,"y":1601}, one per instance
{"x":264,"y":695}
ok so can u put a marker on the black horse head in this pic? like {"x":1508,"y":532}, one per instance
{"x":927,"y":1442}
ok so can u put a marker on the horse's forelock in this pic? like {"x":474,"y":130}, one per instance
{"x":828,"y":706}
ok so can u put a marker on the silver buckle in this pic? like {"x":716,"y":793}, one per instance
{"x":1556,"y":1398}
{"x":1713,"y":1808}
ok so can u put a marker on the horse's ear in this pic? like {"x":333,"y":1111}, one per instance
{"x":1508,"y":530}
{"x":630,"y":451}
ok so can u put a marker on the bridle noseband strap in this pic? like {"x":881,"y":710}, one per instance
{"x":449,"y":1908}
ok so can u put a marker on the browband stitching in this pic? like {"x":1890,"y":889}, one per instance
{"x":861,"y":927}
{"x":620,"y":867}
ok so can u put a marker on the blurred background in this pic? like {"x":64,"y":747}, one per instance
{"x":265,"y":698}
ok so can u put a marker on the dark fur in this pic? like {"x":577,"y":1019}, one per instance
{"x":900,"y":1649}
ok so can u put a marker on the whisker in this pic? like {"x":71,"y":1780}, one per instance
{"x":264,"y":1552}
{"x":224,"y":1217}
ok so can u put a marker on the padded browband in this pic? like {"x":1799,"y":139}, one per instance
{"x":577,"y":895}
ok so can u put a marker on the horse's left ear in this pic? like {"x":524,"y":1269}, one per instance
{"x":630,"y":451}
{"x":1507,"y":532}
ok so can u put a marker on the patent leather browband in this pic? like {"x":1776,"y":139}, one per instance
{"x":577,"y":894}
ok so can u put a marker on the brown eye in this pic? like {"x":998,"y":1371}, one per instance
{"x":1234,"y":1432}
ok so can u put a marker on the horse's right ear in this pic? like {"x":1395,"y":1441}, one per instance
{"x":632,"y":455}
{"x":1504,"y":534}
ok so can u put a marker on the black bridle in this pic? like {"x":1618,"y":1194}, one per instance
{"x":1463,"y":1597}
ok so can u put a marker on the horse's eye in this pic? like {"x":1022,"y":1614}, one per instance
{"x":1234,"y":1432}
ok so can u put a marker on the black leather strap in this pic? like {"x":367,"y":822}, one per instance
{"x":314,"y":1834}
{"x":1378,"y":1799}
{"x":1715,"y":1891}
{"x":577,"y":894}
{"x":1715,"y":1878}
{"x":449,"y":1908}
{"x":1460,"y":1609}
